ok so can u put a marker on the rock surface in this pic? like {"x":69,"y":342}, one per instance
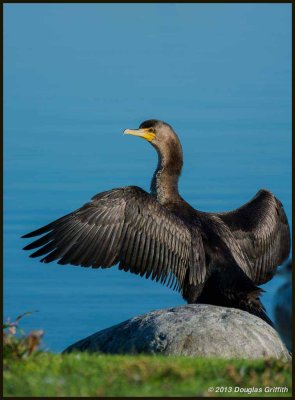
{"x":190,"y":330}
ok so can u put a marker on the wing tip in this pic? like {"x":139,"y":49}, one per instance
{"x":37,"y":232}
{"x":27,"y":235}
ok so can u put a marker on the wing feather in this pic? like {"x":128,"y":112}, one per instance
{"x":261,"y":230}
{"x":128,"y":226}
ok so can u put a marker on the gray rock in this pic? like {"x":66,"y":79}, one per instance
{"x":190,"y":330}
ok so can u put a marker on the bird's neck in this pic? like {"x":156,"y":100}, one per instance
{"x":164,"y":184}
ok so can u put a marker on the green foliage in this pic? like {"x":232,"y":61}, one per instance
{"x":94,"y":375}
{"x":32,"y":373}
{"x":16,"y":344}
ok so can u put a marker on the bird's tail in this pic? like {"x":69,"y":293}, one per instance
{"x":234,"y":290}
{"x":252,"y":304}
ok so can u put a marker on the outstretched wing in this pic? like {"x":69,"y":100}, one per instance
{"x":129,"y":226}
{"x":262,"y":231}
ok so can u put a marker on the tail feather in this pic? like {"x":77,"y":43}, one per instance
{"x":253,"y":305}
{"x":232,"y":288}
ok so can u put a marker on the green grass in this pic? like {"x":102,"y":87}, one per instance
{"x":86,"y":375}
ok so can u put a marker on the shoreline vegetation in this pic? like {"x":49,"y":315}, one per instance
{"x":31,"y":372}
{"x":93,"y":375}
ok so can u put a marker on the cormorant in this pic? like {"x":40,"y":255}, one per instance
{"x":213,"y":258}
{"x":283,"y":305}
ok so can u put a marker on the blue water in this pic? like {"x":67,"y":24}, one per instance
{"x":77,"y":75}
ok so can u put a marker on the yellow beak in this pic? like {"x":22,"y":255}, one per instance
{"x":143,"y":133}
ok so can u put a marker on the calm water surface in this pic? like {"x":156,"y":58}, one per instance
{"x":76,"y":76}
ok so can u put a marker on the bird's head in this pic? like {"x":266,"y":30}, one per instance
{"x":160,"y":134}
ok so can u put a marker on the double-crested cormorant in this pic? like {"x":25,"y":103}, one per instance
{"x":283,"y":305}
{"x":215,"y":258}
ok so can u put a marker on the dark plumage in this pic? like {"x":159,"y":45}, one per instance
{"x":216,"y":258}
{"x":283,"y":305}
